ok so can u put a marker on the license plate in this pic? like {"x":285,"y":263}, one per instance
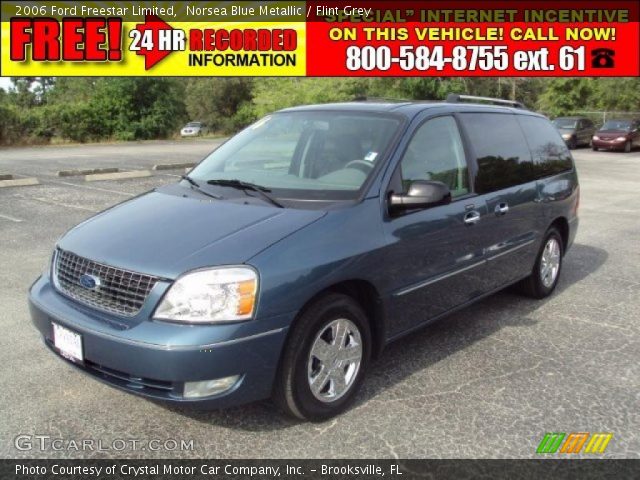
{"x":67,"y":342}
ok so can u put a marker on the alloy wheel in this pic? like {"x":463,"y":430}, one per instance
{"x":334,"y":360}
{"x":550,"y":263}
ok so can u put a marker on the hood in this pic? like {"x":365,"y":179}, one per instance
{"x":173,"y":229}
{"x":612,"y":133}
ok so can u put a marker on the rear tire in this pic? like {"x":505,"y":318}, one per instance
{"x":546,"y":271}
{"x":595,"y":149}
{"x":314,"y":353}
{"x":627,"y":147}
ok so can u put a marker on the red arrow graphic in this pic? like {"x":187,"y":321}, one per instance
{"x":153,"y":55}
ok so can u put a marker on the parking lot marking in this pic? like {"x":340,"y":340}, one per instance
{"x":10,"y":218}
{"x":48,"y":201}
{"x":99,"y":189}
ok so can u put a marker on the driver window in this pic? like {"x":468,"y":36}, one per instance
{"x":436,"y":153}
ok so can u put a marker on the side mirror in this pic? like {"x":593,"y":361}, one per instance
{"x":421,"y":194}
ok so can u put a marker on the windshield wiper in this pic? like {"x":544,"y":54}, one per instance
{"x":195,"y":185}
{"x":240,"y":185}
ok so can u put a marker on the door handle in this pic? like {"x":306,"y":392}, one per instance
{"x":472,"y":217}
{"x":501,"y":209}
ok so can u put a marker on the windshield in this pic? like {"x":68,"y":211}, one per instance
{"x":617,"y":125}
{"x":304,"y":155}
{"x":565,"y":122}
{"x":193,"y":124}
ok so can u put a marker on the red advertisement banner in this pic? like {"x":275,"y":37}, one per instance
{"x":591,"y":38}
{"x":471,"y":38}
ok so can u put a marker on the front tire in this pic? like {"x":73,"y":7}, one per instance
{"x":546,"y":271}
{"x":627,"y":147}
{"x":325,"y":359}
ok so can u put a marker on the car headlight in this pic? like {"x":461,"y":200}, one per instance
{"x":621,"y":139}
{"x":219,"y":294}
{"x":596,"y":137}
{"x":566,"y":136}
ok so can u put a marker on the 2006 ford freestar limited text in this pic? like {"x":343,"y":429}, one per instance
{"x":287,"y":259}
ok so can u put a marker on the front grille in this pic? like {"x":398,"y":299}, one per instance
{"x":119,"y":291}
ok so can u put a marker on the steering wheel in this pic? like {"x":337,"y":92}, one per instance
{"x":359,"y":164}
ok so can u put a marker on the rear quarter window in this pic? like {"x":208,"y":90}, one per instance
{"x":500,"y":149}
{"x":549,"y":152}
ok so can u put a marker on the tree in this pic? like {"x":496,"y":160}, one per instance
{"x":618,"y":94}
{"x":73,"y":89}
{"x":138,"y":108}
{"x":84,"y":109}
{"x":31,"y":91}
{"x":270,"y":94}
{"x":215,"y":101}
{"x":564,"y":96}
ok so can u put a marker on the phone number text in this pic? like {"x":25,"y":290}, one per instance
{"x":463,"y":58}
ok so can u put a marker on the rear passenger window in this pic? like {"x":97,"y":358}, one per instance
{"x":502,"y":154}
{"x":436,"y":153}
{"x":550,"y":153}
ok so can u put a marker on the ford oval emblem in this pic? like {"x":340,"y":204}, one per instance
{"x":90,"y":282}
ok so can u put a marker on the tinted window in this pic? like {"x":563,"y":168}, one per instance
{"x":436,"y":153}
{"x":550,"y":153}
{"x":501,"y":150}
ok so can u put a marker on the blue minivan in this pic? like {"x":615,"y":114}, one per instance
{"x":291,"y":255}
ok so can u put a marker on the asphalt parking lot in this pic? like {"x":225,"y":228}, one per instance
{"x":488,"y":381}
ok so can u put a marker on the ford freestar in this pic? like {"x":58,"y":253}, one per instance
{"x":292,"y":254}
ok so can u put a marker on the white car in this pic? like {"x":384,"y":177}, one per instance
{"x":192,"y":129}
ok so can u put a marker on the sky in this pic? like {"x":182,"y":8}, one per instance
{"x":5,"y":82}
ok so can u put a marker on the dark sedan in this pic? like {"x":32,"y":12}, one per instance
{"x":575,"y":131}
{"x":617,"y":135}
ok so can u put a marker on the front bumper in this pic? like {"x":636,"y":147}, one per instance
{"x":159,"y":367}
{"x":609,"y":144}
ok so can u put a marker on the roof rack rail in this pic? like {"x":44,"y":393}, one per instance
{"x":365,"y":98}
{"x":455,"y":98}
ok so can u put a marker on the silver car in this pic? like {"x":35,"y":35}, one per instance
{"x":192,"y":129}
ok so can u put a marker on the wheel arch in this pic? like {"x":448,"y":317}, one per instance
{"x":369,"y":299}
{"x":562,"y":225}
